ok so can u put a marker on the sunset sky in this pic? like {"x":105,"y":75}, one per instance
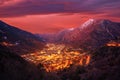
{"x":49,"y":16}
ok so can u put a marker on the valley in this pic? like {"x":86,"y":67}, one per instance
{"x":57,"y":57}
{"x":88,"y":52}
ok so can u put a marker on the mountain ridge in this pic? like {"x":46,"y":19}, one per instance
{"x":91,"y":34}
{"x":19,"y":41}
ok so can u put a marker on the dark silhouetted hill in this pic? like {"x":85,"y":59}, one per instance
{"x":13,"y":67}
{"x":19,"y":41}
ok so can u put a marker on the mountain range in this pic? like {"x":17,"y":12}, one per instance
{"x":90,"y":35}
{"x":104,"y":64}
{"x":19,"y":41}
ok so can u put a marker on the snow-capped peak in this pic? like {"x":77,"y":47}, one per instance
{"x":71,"y":29}
{"x":89,"y":22}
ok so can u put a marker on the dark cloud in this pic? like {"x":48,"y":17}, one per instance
{"x":32,"y":7}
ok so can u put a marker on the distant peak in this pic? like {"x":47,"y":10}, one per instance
{"x":89,"y":22}
{"x":94,"y":21}
{"x":106,"y":21}
{"x":99,"y":20}
{"x":71,"y":29}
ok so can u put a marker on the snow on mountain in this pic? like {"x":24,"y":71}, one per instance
{"x":89,"y":22}
{"x":92,"y":34}
{"x":71,"y":29}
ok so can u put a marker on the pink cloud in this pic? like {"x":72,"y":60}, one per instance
{"x":15,"y":8}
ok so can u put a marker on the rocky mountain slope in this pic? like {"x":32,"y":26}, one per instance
{"x":19,"y":41}
{"x":92,"y":34}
